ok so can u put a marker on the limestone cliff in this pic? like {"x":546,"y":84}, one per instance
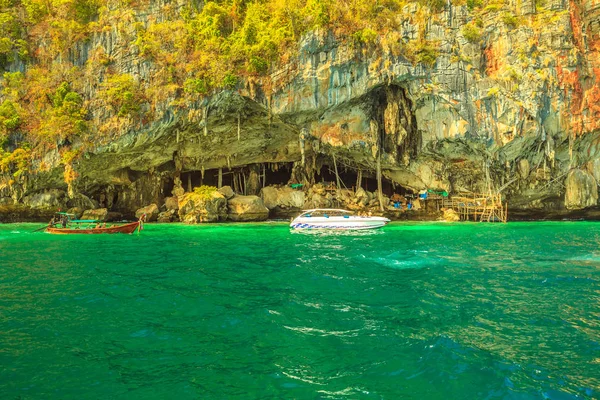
{"x":502,"y":96}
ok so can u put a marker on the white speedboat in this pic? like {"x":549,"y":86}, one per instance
{"x":327,"y":218}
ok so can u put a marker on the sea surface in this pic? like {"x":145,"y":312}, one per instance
{"x":254,"y":311}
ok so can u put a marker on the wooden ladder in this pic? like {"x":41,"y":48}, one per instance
{"x":486,"y":214}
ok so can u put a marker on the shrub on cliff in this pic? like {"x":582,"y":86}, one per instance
{"x":9,"y":116}
{"x":472,"y":4}
{"x":123,"y":94}
{"x":204,"y":192}
{"x":64,"y":119}
{"x":16,"y":163}
{"x":471,"y":33}
{"x":12,"y":45}
{"x":364,"y":36}
{"x":422,"y":52}
{"x":510,"y":20}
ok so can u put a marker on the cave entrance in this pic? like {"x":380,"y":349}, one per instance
{"x":168,"y":184}
{"x":349,"y":180}
{"x":277,"y":173}
{"x":243,"y":180}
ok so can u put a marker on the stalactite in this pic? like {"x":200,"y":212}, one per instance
{"x":220,"y":179}
{"x":302,"y":140}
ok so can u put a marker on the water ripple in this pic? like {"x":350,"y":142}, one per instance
{"x":436,"y":311}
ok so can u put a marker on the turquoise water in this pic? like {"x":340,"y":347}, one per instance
{"x":415,"y":311}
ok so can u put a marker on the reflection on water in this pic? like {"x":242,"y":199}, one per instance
{"x":442,"y":311}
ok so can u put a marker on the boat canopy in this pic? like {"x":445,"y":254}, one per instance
{"x":64,"y":213}
{"x":84,"y":221}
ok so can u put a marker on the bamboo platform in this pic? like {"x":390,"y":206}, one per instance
{"x":478,"y":207}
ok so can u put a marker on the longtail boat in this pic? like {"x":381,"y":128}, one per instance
{"x":66,"y":225}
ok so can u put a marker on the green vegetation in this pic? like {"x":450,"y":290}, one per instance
{"x":366,"y":36}
{"x":123,"y":94}
{"x":510,"y":20}
{"x":423,"y":52}
{"x":65,"y":119}
{"x":204,"y":192}
{"x":16,"y":164}
{"x":186,"y":54}
{"x":472,"y":4}
{"x":9,"y":116}
{"x":471,"y":33}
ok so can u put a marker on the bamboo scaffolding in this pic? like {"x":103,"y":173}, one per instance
{"x":478,"y":207}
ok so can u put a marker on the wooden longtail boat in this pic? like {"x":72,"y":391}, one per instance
{"x":74,"y":226}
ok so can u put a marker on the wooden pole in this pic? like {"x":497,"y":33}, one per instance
{"x":220,"y":181}
{"x":379,"y":189}
{"x":337,"y":177}
{"x":359,"y":179}
{"x":245,"y":182}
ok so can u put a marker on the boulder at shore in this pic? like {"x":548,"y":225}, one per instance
{"x":151,"y":212}
{"x":227,"y":191}
{"x":581,"y":190}
{"x":284,"y":197}
{"x":195,"y":208}
{"x":98,"y":214}
{"x":450,"y":215}
{"x":171,"y":203}
{"x":247,"y":208}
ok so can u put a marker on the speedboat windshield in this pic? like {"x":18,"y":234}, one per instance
{"x":320,"y":212}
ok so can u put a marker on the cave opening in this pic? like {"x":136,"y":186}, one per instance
{"x":277,"y":173}
{"x":240,"y":179}
{"x":168,"y":184}
{"x":349,"y":180}
{"x":108,"y":199}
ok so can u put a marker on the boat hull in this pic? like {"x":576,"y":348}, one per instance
{"x":352,"y":223}
{"x":126,"y":228}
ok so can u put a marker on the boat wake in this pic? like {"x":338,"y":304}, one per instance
{"x":411,"y":260}
{"x":592,"y":258}
{"x":337,"y":232}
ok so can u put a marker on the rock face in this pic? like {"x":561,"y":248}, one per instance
{"x":81,"y":201}
{"x":194,"y":208}
{"x":247,"y":208}
{"x":581,"y":190}
{"x":227,"y":191}
{"x":52,"y":198}
{"x":171,"y":203}
{"x":99,"y":214}
{"x":501,"y":101}
{"x":282,"y":197}
{"x":167,"y":216}
{"x":151,"y":212}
